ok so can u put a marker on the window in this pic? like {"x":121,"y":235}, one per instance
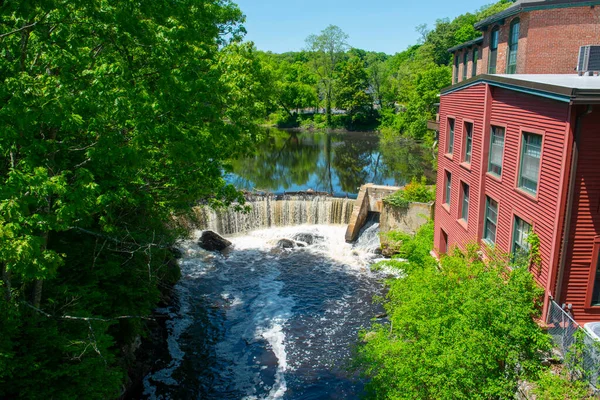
{"x":520,"y":247}
{"x":455,"y":67}
{"x":468,"y":141}
{"x":493,"y":51}
{"x":513,"y":46}
{"x":450,"y":135}
{"x":491,"y":218}
{"x":496,"y":150}
{"x":464,"y":211}
{"x":595,"y":278}
{"x":465,"y":65}
{"x":444,"y":242}
{"x":475,"y":57}
{"x":448,"y":188}
{"x":529,"y":170}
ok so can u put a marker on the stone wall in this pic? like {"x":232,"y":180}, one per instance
{"x":370,"y":199}
{"x":407,"y":220}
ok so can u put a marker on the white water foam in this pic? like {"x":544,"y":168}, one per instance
{"x":270,"y":309}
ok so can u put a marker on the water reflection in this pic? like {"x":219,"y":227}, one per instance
{"x":329,"y":162}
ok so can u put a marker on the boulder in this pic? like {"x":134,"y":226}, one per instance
{"x":308,"y":238}
{"x":286,"y":244}
{"x":212,"y":241}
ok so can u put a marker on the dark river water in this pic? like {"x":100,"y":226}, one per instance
{"x":263,"y":322}
{"x":336,"y":163}
{"x":267,"y":323}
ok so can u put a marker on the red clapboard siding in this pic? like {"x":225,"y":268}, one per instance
{"x":522,"y":112}
{"x":585,"y":222}
{"x":467,"y":104}
{"x":517,"y":112}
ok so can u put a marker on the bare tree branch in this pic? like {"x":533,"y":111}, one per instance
{"x":88,"y":319}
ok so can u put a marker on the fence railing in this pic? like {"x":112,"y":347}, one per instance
{"x":581,"y":358}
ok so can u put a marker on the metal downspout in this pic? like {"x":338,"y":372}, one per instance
{"x":571,"y":195}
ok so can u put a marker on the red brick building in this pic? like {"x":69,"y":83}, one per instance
{"x":544,"y":36}
{"x":521,"y":152}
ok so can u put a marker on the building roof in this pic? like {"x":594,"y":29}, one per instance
{"x":531,"y":5}
{"x":477,"y":41}
{"x":568,"y":88}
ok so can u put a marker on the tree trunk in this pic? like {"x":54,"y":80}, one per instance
{"x":6,"y":280}
{"x":328,"y":108}
{"x":37,"y":293}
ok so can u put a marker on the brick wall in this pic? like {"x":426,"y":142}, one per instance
{"x":554,"y":38}
{"x":549,"y":41}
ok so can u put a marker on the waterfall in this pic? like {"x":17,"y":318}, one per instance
{"x":273,"y":211}
{"x":368,"y":238}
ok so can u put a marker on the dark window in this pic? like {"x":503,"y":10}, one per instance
{"x":491,"y":218}
{"x":596,"y":292}
{"x":513,"y":46}
{"x":444,"y":243}
{"x":465,"y":65}
{"x":468,"y":141}
{"x":464,"y":212}
{"x":531,"y":154}
{"x":520,"y":247}
{"x":450,"y":135}
{"x":496,"y":150}
{"x":475,"y":58}
{"x":493,"y":51}
{"x":455,"y":67}
{"x":448,"y":188}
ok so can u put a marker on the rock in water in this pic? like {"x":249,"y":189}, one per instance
{"x":308,"y":238}
{"x":212,"y":241}
{"x":286,"y":244}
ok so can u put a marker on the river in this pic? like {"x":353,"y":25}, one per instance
{"x":331,"y":162}
{"x":264,"y":322}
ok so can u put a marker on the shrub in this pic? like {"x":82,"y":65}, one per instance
{"x":459,"y":328}
{"x":551,"y":386}
{"x":415,"y":191}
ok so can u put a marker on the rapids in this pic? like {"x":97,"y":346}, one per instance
{"x":262,"y":322}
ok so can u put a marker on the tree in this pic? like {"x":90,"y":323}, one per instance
{"x":114,"y":118}
{"x":327,"y":50}
{"x":352,"y":86}
{"x":462,"y":329}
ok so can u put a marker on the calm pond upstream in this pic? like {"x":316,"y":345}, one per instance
{"x":330,"y":162}
{"x":266,"y":321}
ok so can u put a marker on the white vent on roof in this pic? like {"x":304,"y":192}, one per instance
{"x":589,"y":60}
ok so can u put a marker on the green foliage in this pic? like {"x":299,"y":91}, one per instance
{"x":418,"y":73}
{"x":415,"y":191}
{"x":115,"y":117}
{"x":414,"y":251}
{"x":551,"y":386}
{"x":352,"y":96}
{"x":458,"y":329}
{"x":535,"y":256}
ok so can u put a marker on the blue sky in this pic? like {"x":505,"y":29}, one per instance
{"x":377,"y":25}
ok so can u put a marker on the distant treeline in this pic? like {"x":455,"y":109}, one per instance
{"x":331,"y":84}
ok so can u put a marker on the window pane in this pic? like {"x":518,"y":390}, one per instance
{"x":465,"y":64}
{"x":475,"y":58}
{"x":468,"y":141}
{"x":491,"y":218}
{"x":465,"y":203}
{"x":513,"y":46}
{"x":455,"y":68}
{"x":496,"y":150}
{"x":596,"y":293}
{"x":520,"y":246}
{"x":531,"y":154}
{"x":448,"y":187}
{"x":450,"y":136}
{"x":493,"y":51}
